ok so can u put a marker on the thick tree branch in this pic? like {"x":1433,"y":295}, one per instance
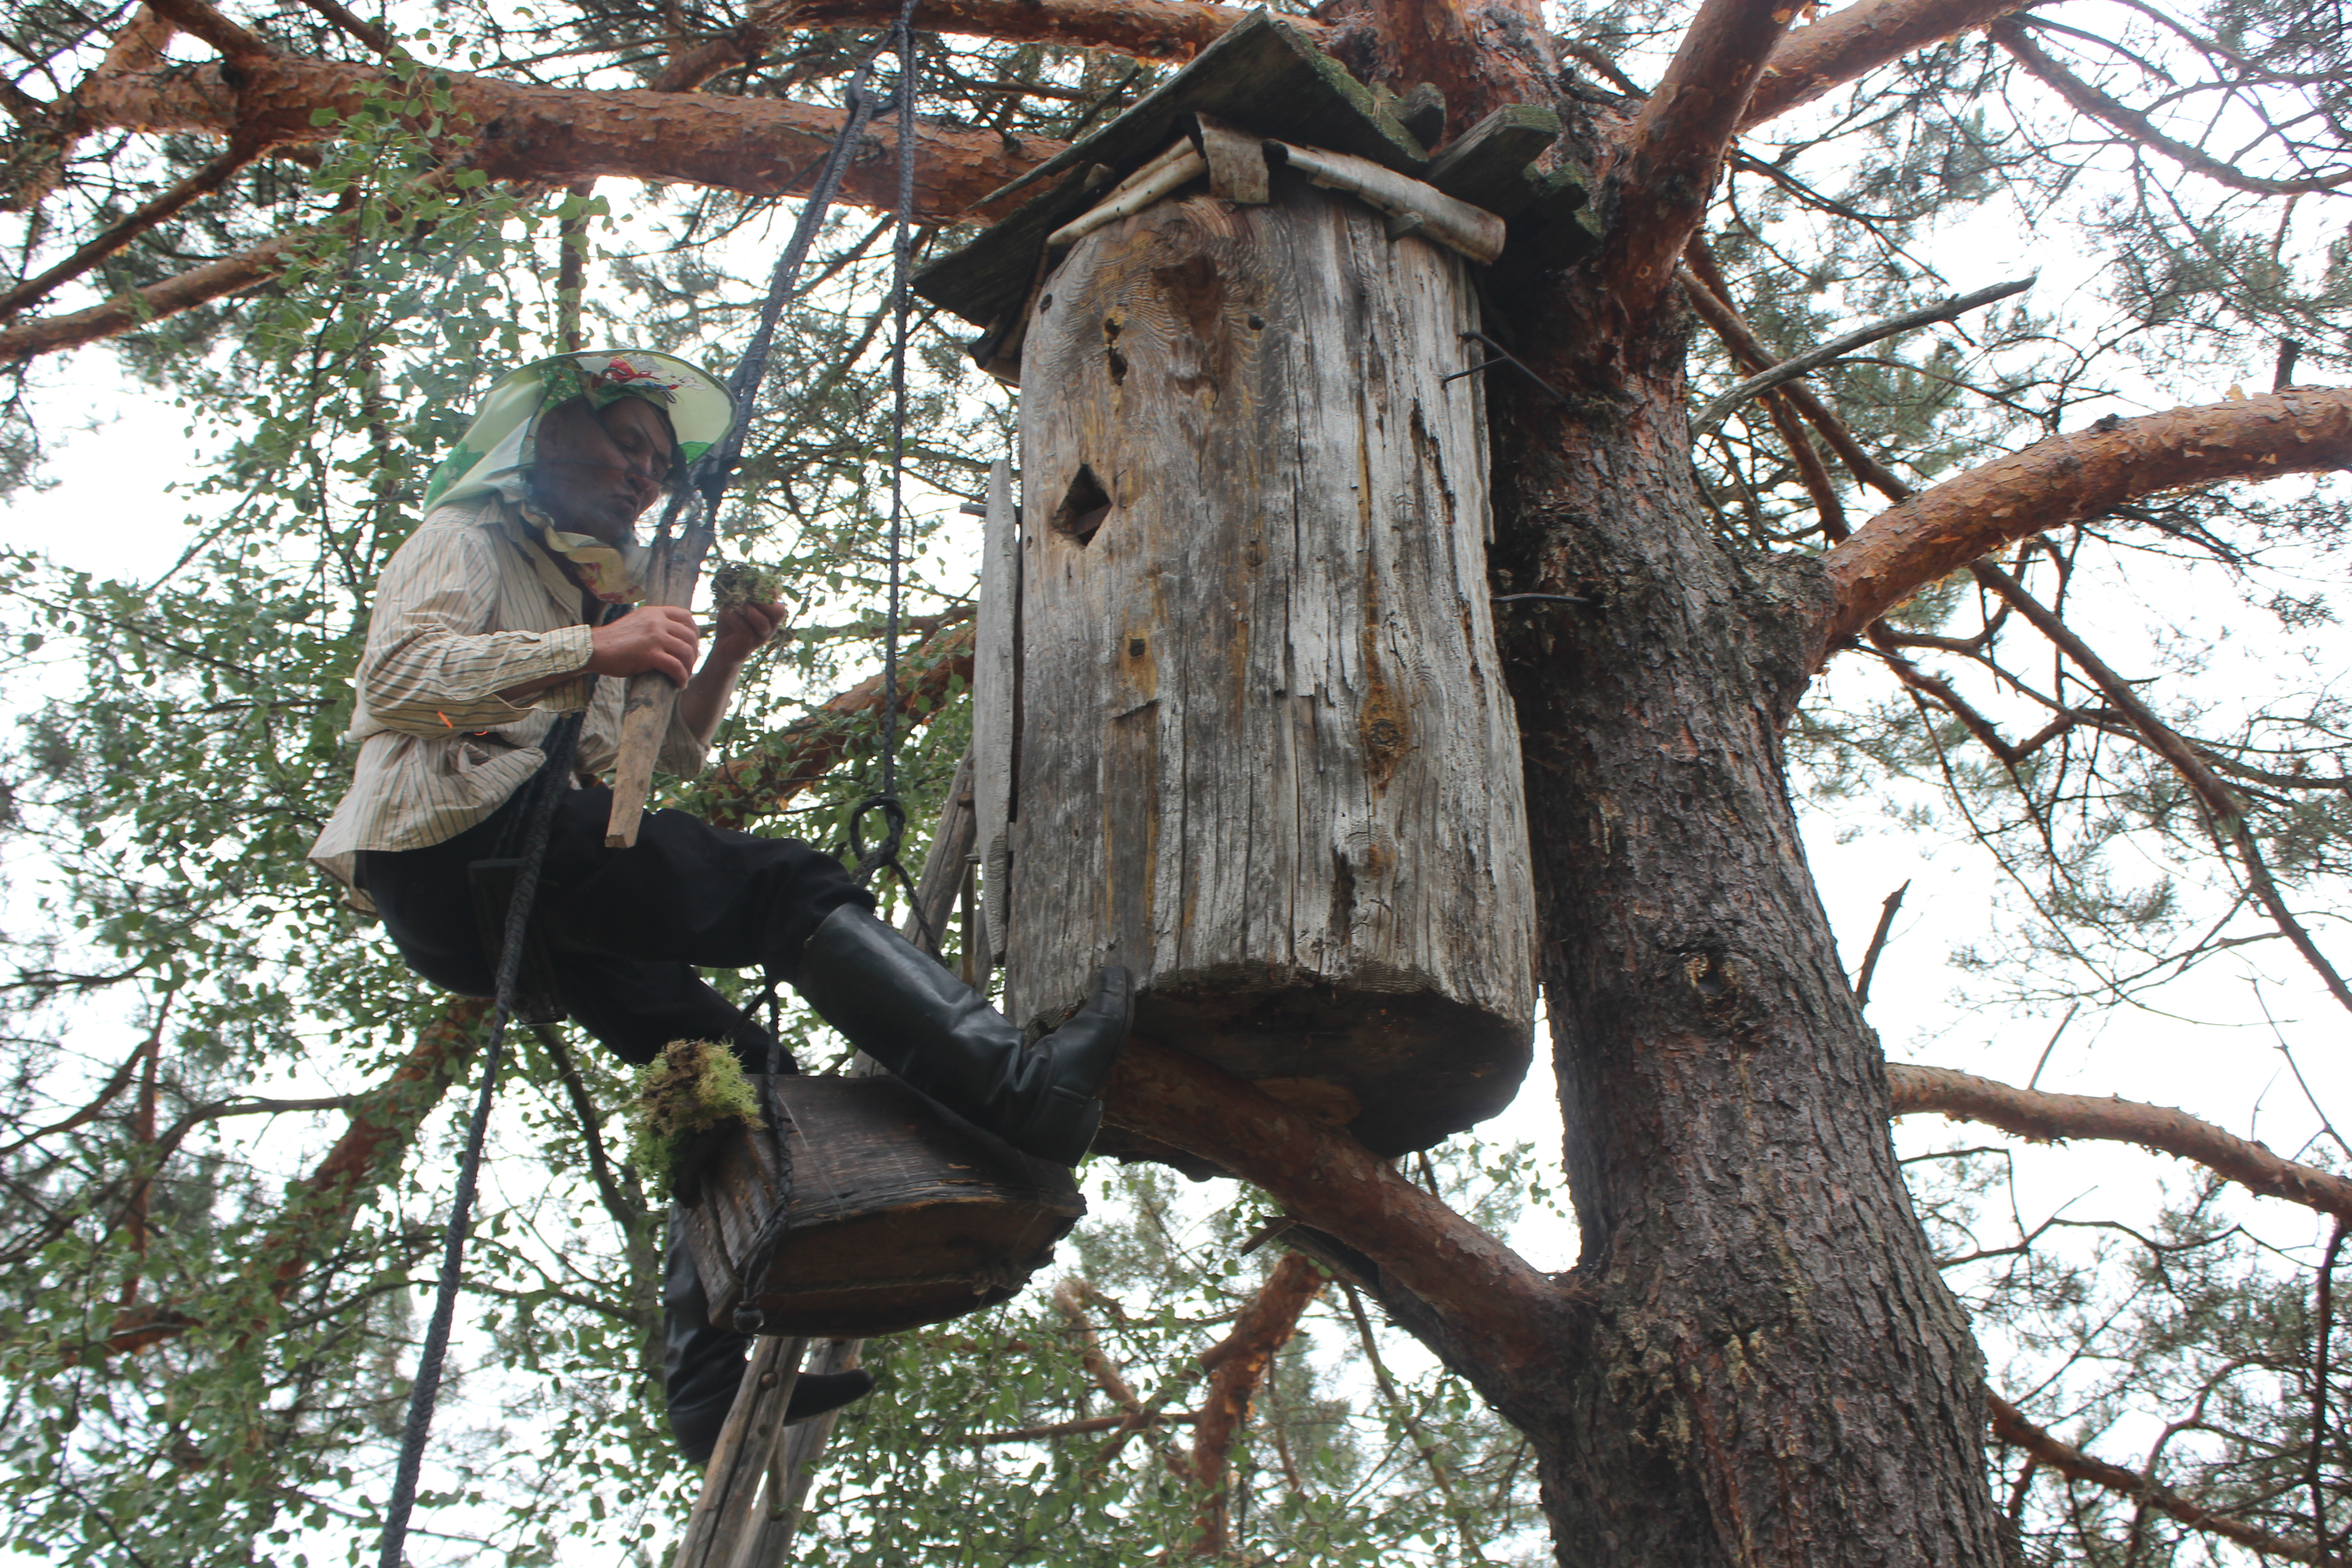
{"x":199,"y":286}
{"x":1237,"y":1365}
{"x":1141,"y":29}
{"x":379,"y":1130}
{"x":198,"y":19}
{"x":1660,"y":183}
{"x":138,"y":46}
{"x":2011,"y":34}
{"x":1497,"y":1307}
{"x":2009,"y":1425}
{"x":1069,"y":1299}
{"x":2068,"y":478}
{"x":2044,"y":1117}
{"x":796,"y":757}
{"x":562,"y":135}
{"x":531,"y":135}
{"x":1816,"y":61}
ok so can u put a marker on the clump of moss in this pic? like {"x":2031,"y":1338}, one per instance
{"x":690,"y":1093}
{"x":745,"y":582}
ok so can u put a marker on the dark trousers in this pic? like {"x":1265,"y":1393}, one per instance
{"x":625,"y":928}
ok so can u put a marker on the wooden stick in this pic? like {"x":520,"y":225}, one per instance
{"x":647,"y":707}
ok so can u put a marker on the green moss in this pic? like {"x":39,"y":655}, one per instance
{"x":744,"y":582}
{"x":693,"y":1089}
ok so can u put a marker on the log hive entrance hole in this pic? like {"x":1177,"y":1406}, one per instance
{"x":1238,"y":716}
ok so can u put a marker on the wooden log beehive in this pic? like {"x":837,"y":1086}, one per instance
{"x":900,"y":1214}
{"x":1261,"y":750}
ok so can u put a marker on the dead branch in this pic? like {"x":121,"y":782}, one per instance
{"x":2009,"y":1425}
{"x":1878,"y":945}
{"x":2011,"y":35}
{"x":1141,"y":29}
{"x":2043,"y":1118}
{"x":1237,"y":1366}
{"x":2068,"y":478}
{"x":1837,"y":348}
{"x":1703,"y":283}
{"x":1505,"y":1311}
{"x":2225,"y":813}
{"x":1676,"y":145}
{"x":1814,"y":61}
{"x":121,"y":231}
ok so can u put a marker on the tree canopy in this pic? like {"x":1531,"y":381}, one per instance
{"x":2054,"y":577}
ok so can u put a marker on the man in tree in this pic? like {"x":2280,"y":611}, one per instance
{"x":497,"y":615}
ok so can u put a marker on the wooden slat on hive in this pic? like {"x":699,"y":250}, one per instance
{"x":1262,"y":75}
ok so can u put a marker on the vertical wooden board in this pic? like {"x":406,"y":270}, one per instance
{"x":995,"y":699}
{"x":1264,"y":759}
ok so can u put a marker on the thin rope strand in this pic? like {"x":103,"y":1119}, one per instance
{"x":547,"y":790}
{"x":901,"y":258}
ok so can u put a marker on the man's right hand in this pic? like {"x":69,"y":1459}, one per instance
{"x":659,"y":638}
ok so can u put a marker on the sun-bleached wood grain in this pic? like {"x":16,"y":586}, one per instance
{"x":1265,"y":759}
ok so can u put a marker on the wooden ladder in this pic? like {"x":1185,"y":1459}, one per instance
{"x":759,"y":1476}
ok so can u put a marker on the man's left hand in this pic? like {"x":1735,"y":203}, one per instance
{"x":743,"y":631}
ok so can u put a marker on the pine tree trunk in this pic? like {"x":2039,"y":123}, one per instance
{"x":1767,"y":1367}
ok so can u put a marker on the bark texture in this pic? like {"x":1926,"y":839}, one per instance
{"x":1764,"y":1365}
{"x":1263,"y":758}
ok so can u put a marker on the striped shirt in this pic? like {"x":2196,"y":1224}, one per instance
{"x":468,"y":608}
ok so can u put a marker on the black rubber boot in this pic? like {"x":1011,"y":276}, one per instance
{"x":702,"y":1365}
{"x":900,"y":1006}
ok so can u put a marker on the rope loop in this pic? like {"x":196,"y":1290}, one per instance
{"x":894,"y":816}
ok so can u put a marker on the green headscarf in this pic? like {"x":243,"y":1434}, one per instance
{"x":498,"y":448}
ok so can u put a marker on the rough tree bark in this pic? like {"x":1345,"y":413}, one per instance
{"x":1766,"y":1366}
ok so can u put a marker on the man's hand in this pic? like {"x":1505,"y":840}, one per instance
{"x":743,"y":630}
{"x":658,"y":638}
